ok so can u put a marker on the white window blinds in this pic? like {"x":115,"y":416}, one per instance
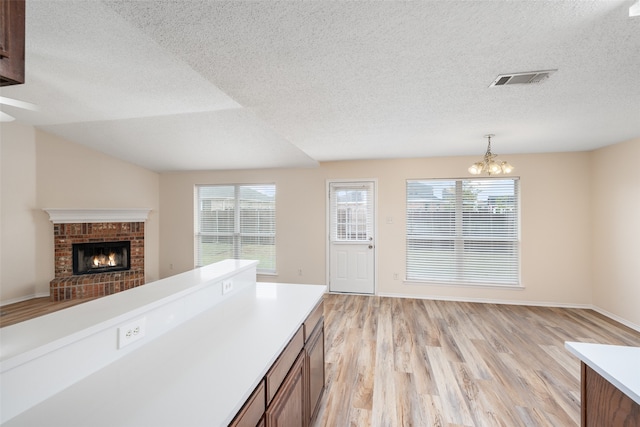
{"x":351,"y":211}
{"x":463,"y":231}
{"x":238,"y":222}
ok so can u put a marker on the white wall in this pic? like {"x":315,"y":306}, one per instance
{"x":616,"y":238}
{"x":39,"y":171}
{"x":556,"y":222}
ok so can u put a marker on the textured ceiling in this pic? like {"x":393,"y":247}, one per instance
{"x":192,"y":85}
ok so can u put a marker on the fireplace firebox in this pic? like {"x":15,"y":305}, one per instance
{"x":101,"y":257}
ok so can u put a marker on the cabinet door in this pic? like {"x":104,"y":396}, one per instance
{"x":252,"y":412}
{"x":315,"y":366}
{"x":287,"y":408}
{"x":12,"y":21}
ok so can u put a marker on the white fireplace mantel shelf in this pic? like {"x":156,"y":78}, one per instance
{"x":68,"y":216}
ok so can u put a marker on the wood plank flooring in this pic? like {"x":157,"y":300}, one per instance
{"x":410,"y":362}
{"x":25,"y":310}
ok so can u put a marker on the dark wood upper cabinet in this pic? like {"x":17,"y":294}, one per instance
{"x":12,"y":20}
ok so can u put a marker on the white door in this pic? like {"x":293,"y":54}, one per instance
{"x":351,"y":237}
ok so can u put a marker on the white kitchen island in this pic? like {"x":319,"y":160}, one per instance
{"x":203,"y":353}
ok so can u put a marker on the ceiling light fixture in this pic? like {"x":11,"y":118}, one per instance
{"x":634,"y":10}
{"x":489,"y":164}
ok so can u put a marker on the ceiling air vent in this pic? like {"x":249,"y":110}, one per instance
{"x":521,"y":78}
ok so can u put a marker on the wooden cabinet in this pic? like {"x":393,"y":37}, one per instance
{"x":315,"y":370}
{"x":603,"y":404}
{"x":312,"y":321}
{"x":314,"y":354}
{"x":12,"y":20}
{"x":290,"y":393}
{"x":252,"y":412}
{"x":287,"y":408}
{"x":278,"y":371}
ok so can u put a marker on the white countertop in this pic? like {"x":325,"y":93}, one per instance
{"x":198,"y":374}
{"x":32,"y":338}
{"x":620,"y":365}
{"x":43,"y":356}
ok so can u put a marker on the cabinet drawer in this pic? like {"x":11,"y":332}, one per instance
{"x":313,"y":319}
{"x":252,"y":411}
{"x":280,"y":368}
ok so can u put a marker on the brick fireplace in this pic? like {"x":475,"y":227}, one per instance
{"x":73,"y":227}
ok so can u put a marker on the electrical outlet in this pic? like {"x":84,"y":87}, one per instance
{"x":131,"y":332}
{"x":227,"y":286}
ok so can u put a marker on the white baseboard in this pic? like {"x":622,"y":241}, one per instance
{"x":24,"y":298}
{"x":519,"y":302}
{"x":490,"y":301}
{"x":616,"y":318}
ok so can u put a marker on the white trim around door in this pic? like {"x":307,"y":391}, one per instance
{"x":351,"y":228}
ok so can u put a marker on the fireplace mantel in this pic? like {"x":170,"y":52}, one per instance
{"x":69,"y":216}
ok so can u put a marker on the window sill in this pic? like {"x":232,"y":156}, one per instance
{"x":464,"y":285}
{"x":271,"y":274}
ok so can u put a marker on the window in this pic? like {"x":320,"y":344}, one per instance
{"x":236,"y":221}
{"x":463,"y":231}
{"x":351,"y":211}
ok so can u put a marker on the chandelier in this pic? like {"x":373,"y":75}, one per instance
{"x":489,"y":163}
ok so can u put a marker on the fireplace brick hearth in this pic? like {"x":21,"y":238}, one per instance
{"x":96,"y":285}
{"x":66,"y":286}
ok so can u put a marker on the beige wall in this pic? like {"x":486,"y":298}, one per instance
{"x":616,"y":230}
{"x":556,"y":223}
{"x":40,"y":171}
{"x":580,"y":228}
{"x":18,"y":218}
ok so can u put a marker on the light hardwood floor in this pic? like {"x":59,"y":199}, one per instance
{"x":409,"y":362}
{"x":35,"y":307}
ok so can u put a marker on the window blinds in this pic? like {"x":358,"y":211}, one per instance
{"x":463,"y":231}
{"x":238,"y":222}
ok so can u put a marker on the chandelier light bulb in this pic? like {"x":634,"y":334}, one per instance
{"x":476,"y":168}
{"x":494,"y":168}
{"x":506,"y":167}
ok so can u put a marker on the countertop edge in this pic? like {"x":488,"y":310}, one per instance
{"x":584,"y":352}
